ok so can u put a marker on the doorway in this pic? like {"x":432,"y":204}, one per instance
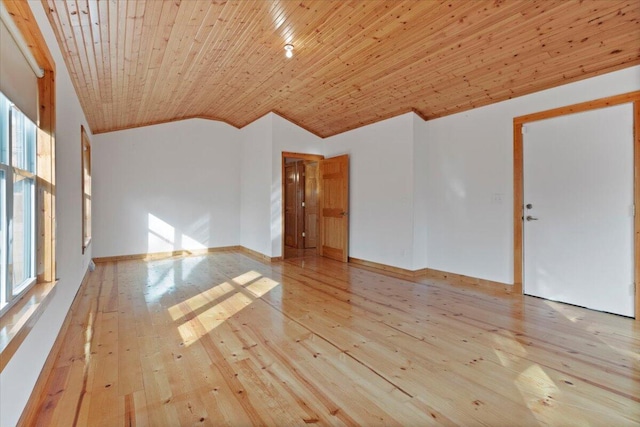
{"x":315,"y":206}
{"x":575,"y":187}
{"x":300,"y":201}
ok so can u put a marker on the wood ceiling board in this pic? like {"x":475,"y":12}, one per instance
{"x":140,"y":62}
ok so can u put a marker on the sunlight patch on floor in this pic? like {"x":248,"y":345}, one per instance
{"x":544,"y":399}
{"x":535,"y":381}
{"x":507,"y":348}
{"x":88,"y":335}
{"x":213,"y":317}
{"x":229,"y":298}
{"x":261,"y":286}
{"x":606,"y":338}
{"x":247,"y":277}
{"x":200,"y":300}
{"x":569,"y":312}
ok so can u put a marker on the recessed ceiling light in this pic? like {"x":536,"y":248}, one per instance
{"x":288,"y":48}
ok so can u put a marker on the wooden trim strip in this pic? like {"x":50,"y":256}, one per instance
{"x":518,"y":194}
{"x":160,"y":255}
{"x":420,"y":114}
{"x":469,"y":281}
{"x":452,"y":278}
{"x":518,"y":191}
{"x":283,"y":116}
{"x":47,"y":177}
{"x":295,"y":122}
{"x":161,"y":122}
{"x":183,"y":253}
{"x":392,"y":115}
{"x":577,"y":108}
{"x":384,"y":267}
{"x":260,"y":256}
{"x":30,"y":411}
{"x":636,"y":200}
{"x":303,"y":156}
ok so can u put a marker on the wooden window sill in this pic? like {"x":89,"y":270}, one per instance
{"x":16,"y":323}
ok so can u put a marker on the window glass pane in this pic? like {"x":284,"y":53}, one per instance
{"x":4,"y":129}
{"x":23,"y":224}
{"x":17,"y":201}
{"x":23,"y":141}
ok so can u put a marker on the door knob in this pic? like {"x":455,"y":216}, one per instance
{"x":530,"y":218}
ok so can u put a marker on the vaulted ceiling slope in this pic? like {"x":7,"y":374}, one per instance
{"x":139,"y":62}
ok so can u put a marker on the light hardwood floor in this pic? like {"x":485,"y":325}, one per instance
{"x":290,"y":252}
{"x":225,"y":339}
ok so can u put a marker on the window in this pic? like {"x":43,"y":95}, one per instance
{"x":17,"y":202}
{"x":86,"y":189}
{"x":27,"y":189}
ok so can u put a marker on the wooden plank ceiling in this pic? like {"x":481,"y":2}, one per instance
{"x":139,"y":62}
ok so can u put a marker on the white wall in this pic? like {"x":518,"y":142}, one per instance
{"x":166,"y":187}
{"x":468,"y":159}
{"x":381,"y":189}
{"x":256,"y":140}
{"x":19,"y":376}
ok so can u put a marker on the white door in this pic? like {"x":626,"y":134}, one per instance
{"x":578,"y":196}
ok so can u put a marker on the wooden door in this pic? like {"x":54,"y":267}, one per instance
{"x":334,"y":208}
{"x":578,"y":215}
{"x":311,"y":205}
{"x":290,"y":212}
{"x":300,"y":204}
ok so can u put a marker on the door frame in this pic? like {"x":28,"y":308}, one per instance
{"x":518,"y":179}
{"x":291,"y":155}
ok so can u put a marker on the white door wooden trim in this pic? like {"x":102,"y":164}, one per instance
{"x":578,"y":195}
{"x":518,"y":208}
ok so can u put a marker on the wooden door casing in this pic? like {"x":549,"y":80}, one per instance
{"x":311,"y":205}
{"x":294,"y":197}
{"x":290,"y":211}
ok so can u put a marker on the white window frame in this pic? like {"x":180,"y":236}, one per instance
{"x":9,"y":294}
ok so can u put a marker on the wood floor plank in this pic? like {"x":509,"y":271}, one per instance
{"x":226,"y":339}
